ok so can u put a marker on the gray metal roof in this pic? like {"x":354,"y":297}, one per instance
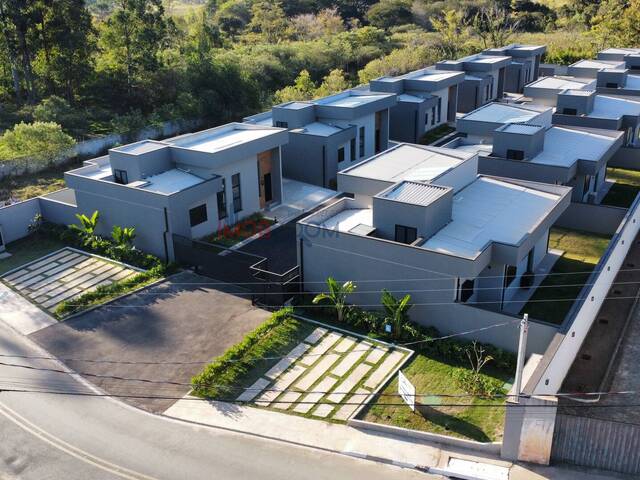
{"x":415,"y":193}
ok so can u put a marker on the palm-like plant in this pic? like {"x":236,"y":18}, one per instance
{"x":123,"y":236}
{"x":397,"y":312}
{"x":337,"y":296}
{"x":87,"y":226}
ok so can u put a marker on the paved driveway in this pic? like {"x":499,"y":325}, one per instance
{"x":165,"y":333}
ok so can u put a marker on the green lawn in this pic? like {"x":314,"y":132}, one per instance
{"x":28,"y":249}
{"x":553,"y":298}
{"x":248,"y":227}
{"x":471,"y":421}
{"x":436,"y":134}
{"x":624,"y":191}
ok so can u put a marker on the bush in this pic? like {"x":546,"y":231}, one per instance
{"x":42,"y":142}
{"x":474,"y":384}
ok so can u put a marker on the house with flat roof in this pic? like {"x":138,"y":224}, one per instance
{"x":524,"y":67}
{"x":561,"y":155}
{"x":622,"y":82}
{"x":421,"y":221}
{"x":331,"y":133}
{"x":191,"y":185}
{"x":484,"y":79}
{"x":630,"y":56}
{"x":479,"y":125}
{"x":426,"y":99}
{"x":545,"y":90}
{"x":586,"y":108}
{"x":589,"y":68}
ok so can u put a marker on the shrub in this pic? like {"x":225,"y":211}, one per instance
{"x":42,"y":142}
{"x":219,"y":377}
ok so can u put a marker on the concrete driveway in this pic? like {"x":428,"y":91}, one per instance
{"x":154,"y":341}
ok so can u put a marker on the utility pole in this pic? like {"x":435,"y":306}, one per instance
{"x":522,"y":352}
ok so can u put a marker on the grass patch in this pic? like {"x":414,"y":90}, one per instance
{"x":248,"y":227}
{"x":28,"y":249}
{"x":436,"y":134}
{"x":623,"y":192}
{"x":105,"y":293}
{"x":471,"y":421}
{"x":32,"y":185}
{"x":241,"y":365}
{"x":553,"y":299}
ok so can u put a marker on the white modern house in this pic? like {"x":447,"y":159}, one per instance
{"x":524,"y":67}
{"x":631,"y":56}
{"x":484,"y":79}
{"x":421,"y":221}
{"x":545,"y":90}
{"x":561,"y":155}
{"x":426,"y":99}
{"x":191,"y":185}
{"x":331,"y":133}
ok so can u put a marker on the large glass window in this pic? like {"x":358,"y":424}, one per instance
{"x":237,"y":195}
{"x":361,"y":142}
{"x":515,"y":154}
{"x":198,"y":215}
{"x":341,"y":154}
{"x":222,"y":201}
{"x":439,"y":109}
{"x":466,"y":290}
{"x":353,"y":149}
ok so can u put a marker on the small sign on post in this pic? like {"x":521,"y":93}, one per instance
{"x":407,"y":391}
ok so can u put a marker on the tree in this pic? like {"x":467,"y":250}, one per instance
{"x":232,"y":17}
{"x":133,"y":37}
{"x":302,"y":89}
{"x":310,"y":26}
{"x":389,"y":13}
{"x":268,"y":21}
{"x":337,"y":296}
{"x":39,"y":141}
{"x":333,"y":83}
{"x":453,"y":32}
{"x":397,"y":313}
{"x":57,"y":109}
{"x":494,"y":25}
{"x":611,"y":26}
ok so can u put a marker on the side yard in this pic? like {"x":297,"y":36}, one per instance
{"x":28,"y":249}
{"x":625,"y":188}
{"x":32,"y":185}
{"x":552,"y":300}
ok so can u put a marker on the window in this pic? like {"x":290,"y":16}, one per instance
{"x":198,"y":215}
{"x":353,"y":149}
{"x":510,"y":274}
{"x":361,"y":142}
{"x":341,"y":154}
{"x":612,"y":85}
{"x":487,"y":94}
{"x":439,"y":109}
{"x":569,"y":111}
{"x":515,"y":154}
{"x":466,"y":290}
{"x":406,"y":234}
{"x":426,"y":118}
{"x":433,"y":115}
{"x":222,"y":201}
{"x":282,"y":124}
{"x":235,"y":189}
{"x":120,"y":176}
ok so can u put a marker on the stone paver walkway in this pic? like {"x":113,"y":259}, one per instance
{"x":64,"y":275}
{"x":327,"y":375}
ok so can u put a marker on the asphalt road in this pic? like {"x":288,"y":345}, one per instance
{"x":46,"y":436}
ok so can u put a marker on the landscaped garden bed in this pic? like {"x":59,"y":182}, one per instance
{"x":554,"y":297}
{"x":246,"y":228}
{"x":436,"y":134}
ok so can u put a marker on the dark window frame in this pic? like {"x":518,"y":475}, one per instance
{"x":236,"y":192}
{"x":352,"y":149}
{"x":198,"y":215}
{"x":341,"y":154}
{"x":221,"y":198}
{"x":515,"y":154}
{"x":361,"y":137}
{"x":405,"y":234}
{"x":467,"y":290}
{"x":569,"y":111}
{"x":120,"y":176}
{"x":281,"y":124}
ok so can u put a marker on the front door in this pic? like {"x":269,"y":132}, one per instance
{"x":264,"y":178}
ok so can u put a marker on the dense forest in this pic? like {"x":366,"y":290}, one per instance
{"x":101,"y":66}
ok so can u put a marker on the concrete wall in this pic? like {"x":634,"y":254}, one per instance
{"x":580,"y":216}
{"x":626,"y":157}
{"x":15,"y":219}
{"x":59,"y":207}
